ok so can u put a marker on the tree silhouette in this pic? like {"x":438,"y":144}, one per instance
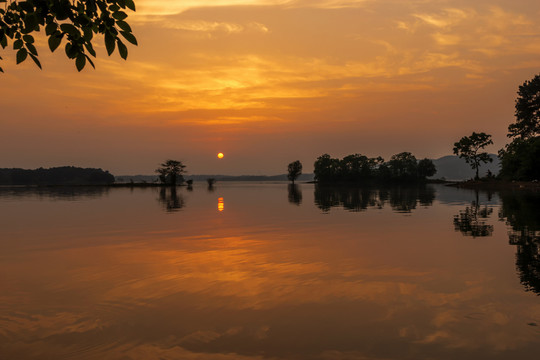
{"x":519,"y":159}
{"x":75,"y":21}
{"x":294,"y":170}
{"x":403,"y":166}
{"x":469,"y":147}
{"x":426,"y":168}
{"x":360,"y":169}
{"x":527,"y":112}
{"x":171,"y":172}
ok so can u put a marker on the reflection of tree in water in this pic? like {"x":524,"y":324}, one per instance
{"x":170,"y":200}
{"x":295,"y":194}
{"x":522,"y":214}
{"x":55,"y":192}
{"x":401,"y":199}
{"x":405,"y":199}
{"x":471,"y":221}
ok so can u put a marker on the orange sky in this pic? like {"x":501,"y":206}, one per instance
{"x":271,"y":81}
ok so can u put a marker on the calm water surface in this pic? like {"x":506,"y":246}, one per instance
{"x":268,"y":271}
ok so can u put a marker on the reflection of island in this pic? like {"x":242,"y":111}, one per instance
{"x":55,"y":192}
{"x":401,"y":199}
{"x":471,"y":220}
{"x":295,"y":194}
{"x":170,"y":199}
{"x":522,"y":214}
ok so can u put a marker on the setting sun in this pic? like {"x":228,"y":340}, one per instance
{"x":220,"y":155}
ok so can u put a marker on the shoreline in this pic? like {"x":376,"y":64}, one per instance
{"x":497,"y":185}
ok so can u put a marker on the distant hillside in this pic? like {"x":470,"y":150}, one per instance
{"x":453,"y":168}
{"x":450,"y":167}
{"x":153,"y":178}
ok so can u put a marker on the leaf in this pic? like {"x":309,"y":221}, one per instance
{"x":129,"y":37}
{"x":124,"y":26}
{"x":1,"y":70}
{"x":32,"y":49}
{"x":119,"y":15}
{"x":35,"y":60}
{"x":29,"y":39}
{"x":72,"y":51}
{"x":17,"y":44}
{"x":88,"y":34}
{"x":90,"y":48}
{"x":54,"y":41}
{"x":50,"y":28}
{"x":21,"y":55}
{"x":130,"y":4}
{"x":122,"y":49}
{"x":80,"y":62}
{"x":71,"y":30}
{"x":90,"y":61}
{"x":109,"y":43}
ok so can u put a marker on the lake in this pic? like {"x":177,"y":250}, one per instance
{"x":269,"y":271}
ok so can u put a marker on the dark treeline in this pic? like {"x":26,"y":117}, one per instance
{"x":357,"y":168}
{"x":399,"y":198}
{"x":65,"y":175}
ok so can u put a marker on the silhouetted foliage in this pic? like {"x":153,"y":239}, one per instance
{"x":519,"y":159}
{"x":171,"y":172}
{"x":521,"y":210}
{"x":326,"y":169}
{"x":468,"y":148}
{"x":351,"y":198}
{"x":65,"y":175}
{"x":295,"y":194}
{"x":170,"y":199}
{"x":426,"y":168}
{"x":403,"y":166}
{"x":360,"y":169}
{"x":294,"y":170}
{"x":527,"y":113}
{"x":75,"y":21}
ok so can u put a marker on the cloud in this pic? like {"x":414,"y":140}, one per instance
{"x":449,"y":17}
{"x":212,"y":26}
{"x":160,"y":7}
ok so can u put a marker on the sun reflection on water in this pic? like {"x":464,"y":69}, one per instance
{"x":220,"y":204}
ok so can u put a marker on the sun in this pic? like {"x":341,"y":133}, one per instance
{"x":220,"y":155}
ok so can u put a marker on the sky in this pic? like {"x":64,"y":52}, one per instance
{"x":268,"y":82}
